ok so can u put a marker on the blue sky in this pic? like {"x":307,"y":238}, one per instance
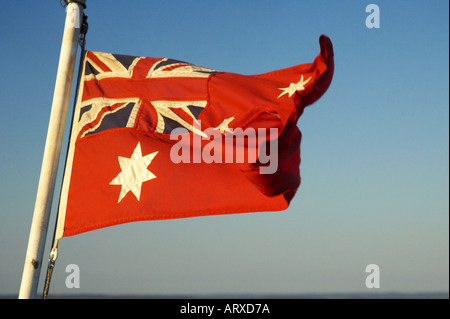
{"x":375,"y":149}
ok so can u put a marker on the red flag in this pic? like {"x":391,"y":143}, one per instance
{"x":160,"y":139}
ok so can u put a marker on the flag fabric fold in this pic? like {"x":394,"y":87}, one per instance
{"x":160,"y":139}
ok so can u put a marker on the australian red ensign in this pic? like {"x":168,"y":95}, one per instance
{"x":159,"y":138}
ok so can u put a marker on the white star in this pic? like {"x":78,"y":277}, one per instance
{"x":293,"y":87}
{"x":224,"y":126}
{"x":134,"y":172}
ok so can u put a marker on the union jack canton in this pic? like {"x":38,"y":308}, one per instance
{"x":117,"y":89}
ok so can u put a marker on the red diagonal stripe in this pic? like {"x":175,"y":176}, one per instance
{"x":99,"y":63}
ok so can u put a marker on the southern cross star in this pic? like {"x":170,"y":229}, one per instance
{"x":224,"y":126}
{"x":293,"y":87}
{"x":134,"y":172}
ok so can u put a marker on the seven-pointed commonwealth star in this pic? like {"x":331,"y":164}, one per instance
{"x":293,"y":87}
{"x":134,"y":172}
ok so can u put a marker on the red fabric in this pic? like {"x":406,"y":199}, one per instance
{"x":185,"y":189}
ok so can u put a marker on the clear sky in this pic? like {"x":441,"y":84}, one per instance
{"x":375,"y":149}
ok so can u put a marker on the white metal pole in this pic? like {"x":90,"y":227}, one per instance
{"x":44,"y":196}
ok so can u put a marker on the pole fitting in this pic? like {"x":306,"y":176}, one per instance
{"x":80,"y":2}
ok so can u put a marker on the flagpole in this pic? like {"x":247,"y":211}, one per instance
{"x":55,"y":133}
